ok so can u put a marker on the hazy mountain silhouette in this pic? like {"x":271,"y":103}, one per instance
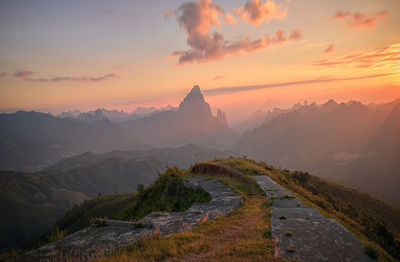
{"x":32,"y":140}
{"x":193,"y":122}
{"x":332,"y":140}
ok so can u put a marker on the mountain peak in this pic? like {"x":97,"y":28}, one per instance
{"x":195,"y":97}
{"x":195,"y":94}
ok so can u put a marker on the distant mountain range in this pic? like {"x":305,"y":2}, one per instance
{"x":32,"y":140}
{"x":34,"y":201}
{"x":114,"y":115}
{"x":356,"y":144}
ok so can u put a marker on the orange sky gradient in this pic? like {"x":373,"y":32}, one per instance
{"x":120,"y":56}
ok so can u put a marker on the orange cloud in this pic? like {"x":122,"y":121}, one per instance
{"x":388,"y":57}
{"x":256,"y":12}
{"x":230,"y":19}
{"x":330,"y":49}
{"x":360,"y":20}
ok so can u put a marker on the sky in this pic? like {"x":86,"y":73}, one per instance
{"x":245,"y":55}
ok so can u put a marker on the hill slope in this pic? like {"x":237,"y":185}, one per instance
{"x":34,"y":201}
{"x":245,"y":233}
{"x":351,"y":143}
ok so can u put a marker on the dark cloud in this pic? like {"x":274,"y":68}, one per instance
{"x":228,"y":90}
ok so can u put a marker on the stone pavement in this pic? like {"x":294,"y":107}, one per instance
{"x":98,"y":241}
{"x":302,"y":233}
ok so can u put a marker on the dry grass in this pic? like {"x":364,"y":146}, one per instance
{"x":243,"y":234}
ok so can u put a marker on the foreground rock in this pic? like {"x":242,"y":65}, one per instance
{"x":101,"y":240}
{"x":303,"y":233}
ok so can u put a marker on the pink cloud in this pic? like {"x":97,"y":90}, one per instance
{"x":205,"y":47}
{"x":218,"y":77}
{"x":295,"y":34}
{"x":3,"y":74}
{"x":197,"y":19}
{"x":256,"y":12}
{"x":329,"y":49}
{"x":23,"y":73}
{"x":360,"y":20}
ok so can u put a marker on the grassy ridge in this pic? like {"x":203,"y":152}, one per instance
{"x":374,"y":222}
{"x":243,"y":234}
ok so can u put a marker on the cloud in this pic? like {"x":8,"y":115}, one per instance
{"x":256,"y":12}
{"x":169,"y":13}
{"x":228,"y":90}
{"x":76,"y":79}
{"x":295,"y":34}
{"x":197,"y":19}
{"x":360,"y":20}
{"x":230,"y":19}
{"x":27,"y":75}
{"x":218,"y":77}
{"x":388,"y":57}
{"x":3,"y":74}
{"x":330,"y":49}
{"x":23,"y":73}
{"x":211,"y":47}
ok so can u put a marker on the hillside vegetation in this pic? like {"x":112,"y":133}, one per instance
{"x":372,"y":221}
{"x":245,"y":233}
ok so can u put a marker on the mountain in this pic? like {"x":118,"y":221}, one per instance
{"x":32,"y":140}
{"x":259,"y":118}
{"x":114,"y":115}
{"x":332,"y":140}
{"x":193,"y":122}
{"x":34,"y":201}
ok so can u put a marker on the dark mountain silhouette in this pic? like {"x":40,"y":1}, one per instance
{"x":332,"y":140}
{"x":193,"y":122}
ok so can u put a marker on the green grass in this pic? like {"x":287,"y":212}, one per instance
{"x":167,"y":194}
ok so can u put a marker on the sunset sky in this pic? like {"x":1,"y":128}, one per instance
{"x":59,"y":55}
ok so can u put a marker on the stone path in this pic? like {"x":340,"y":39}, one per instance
{"x":94,"y":241}
{"x":303,"y":233}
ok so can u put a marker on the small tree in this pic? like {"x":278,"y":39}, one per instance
{"x":140,"y":188}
